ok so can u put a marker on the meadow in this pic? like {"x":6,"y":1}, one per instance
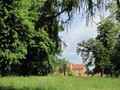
{"x":59,"y":83}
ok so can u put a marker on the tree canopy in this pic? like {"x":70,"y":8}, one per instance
{"x":29,"y":31}
{"x":101,"y":51}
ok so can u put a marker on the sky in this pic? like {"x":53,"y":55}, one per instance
{"x":77,"y":33}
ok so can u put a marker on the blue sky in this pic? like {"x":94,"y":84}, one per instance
{"x":76,"y":33}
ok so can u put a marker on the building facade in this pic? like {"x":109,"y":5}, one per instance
{"x":78,"y":69}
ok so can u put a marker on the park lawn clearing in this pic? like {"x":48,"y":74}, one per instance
{"x":59,"y":83}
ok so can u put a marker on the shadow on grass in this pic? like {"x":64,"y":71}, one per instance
{"x":24,"y":88}
{"x":13,"y":88}
{"x":7,"y":88}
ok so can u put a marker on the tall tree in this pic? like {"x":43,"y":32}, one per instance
{"x":13,"y":44}
{"x":101,"y":50}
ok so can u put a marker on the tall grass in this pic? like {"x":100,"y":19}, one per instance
{"x":58,"y":83}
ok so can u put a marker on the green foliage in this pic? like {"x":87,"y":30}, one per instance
{"x":22,"y":44}
{"x":31,"y":50}
{"x":12,"y":48}
{"x":101,"y":51}
{"x":89,"y":72}
{"x":29,"y":33}
{"x":63,"y":66}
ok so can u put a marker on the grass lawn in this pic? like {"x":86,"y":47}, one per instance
{"x":58,"y":83}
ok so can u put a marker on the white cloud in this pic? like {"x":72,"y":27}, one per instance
{"x":77,"y":33}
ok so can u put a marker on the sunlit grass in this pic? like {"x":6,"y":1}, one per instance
{"x":59,"y":83}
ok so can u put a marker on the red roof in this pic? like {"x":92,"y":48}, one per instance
{"x":77,"y":66}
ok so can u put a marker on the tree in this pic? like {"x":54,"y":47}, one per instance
{"x":100,"y":51}
{"x":21,"y":41}
{"x":93,"y":53}
{"x":29,"y":32}
{"x":109,"y":36}
{"x":63,"y":66}
{"x":13,"y":44}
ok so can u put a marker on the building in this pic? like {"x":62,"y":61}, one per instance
{"x":75,"y":69}
{"x":78,"y":69}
